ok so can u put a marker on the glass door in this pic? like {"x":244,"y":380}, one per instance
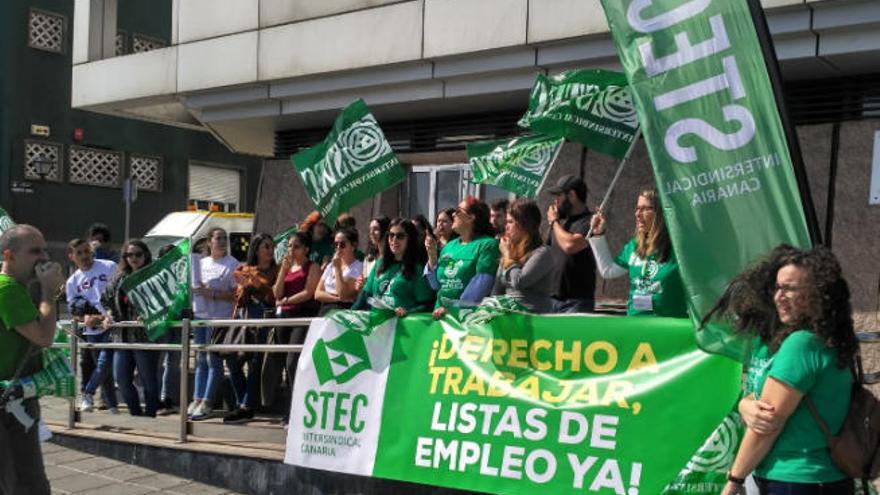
{"x":433,"y":188}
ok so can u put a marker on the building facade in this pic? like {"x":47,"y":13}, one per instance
{"x":64,"y":168}
{"x":268,"y":76}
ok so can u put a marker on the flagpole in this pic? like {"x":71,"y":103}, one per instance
{"x":611,"y":186}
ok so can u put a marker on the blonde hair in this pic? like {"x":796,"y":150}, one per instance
{"x":655,"y":239}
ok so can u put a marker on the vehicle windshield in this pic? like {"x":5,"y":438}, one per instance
{"x":155,"y":243}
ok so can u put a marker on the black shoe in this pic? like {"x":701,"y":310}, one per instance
{"x":238,"y":416}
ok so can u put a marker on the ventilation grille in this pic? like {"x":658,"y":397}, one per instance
{"x":121,"y":43}
{"x":46,"y":31}
{"x":146,"y":171}
{"x":142,"y":43}
{"x":808,"y":102}
{"x":94,"y":167}
{"x":36,"y":151}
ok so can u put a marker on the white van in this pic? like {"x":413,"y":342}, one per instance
{"x":196,"y":224}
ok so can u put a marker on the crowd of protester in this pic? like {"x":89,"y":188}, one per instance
{"x":474,"y":251}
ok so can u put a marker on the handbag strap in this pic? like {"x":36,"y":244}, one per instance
{"x":821,"y":422}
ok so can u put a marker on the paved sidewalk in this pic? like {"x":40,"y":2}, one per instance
{"x":71,"y":471}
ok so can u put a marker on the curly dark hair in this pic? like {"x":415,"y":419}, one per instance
{"x":747,"y":304}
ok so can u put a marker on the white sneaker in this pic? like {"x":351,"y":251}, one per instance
{"x":112,"y":410}
{"x":87,"y":404}
{"x":191,"y":409}
{"x":204,"y":411}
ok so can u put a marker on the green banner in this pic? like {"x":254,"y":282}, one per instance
{"x":161,"y":290}
{"x":498,"y":402}
{"x":590,"y":106}
{"x":353,"y":163}
{"x":56,"y":377}
{"x":281,"y":242}
{"x":518,"y":165}
{"x":6,"y":222}
{"x":715,"y":138}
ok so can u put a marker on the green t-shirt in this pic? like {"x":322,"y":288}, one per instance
{"x":395,"y":290}
{"x":459,"y":263}
{"x":800,"y":453}
{"x":16,"y":309}
{"x":654,"y":288}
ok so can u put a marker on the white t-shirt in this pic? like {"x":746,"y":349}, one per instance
{"x":352,"y":272}
{"x":90,"y":284}
{"x":215,"y":275}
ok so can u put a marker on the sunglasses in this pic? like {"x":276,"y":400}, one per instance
{"x":400,"y":236}
{"x":134,"y":254}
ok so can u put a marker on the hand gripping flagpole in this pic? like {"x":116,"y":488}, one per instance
{"x":611,"y":186}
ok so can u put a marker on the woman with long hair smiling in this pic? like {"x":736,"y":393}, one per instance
{"x":397,"y":281}
{"x":135,"y":256}
{"x":655,"y":285}
{"x":528,"y":268}
{"x":795,"y":305}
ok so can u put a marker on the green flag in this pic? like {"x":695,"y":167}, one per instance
{"x":281,"y":242}
{"x":161,"y":290}
{"x":6,"y":222}
{"x":56,"y":378}
{"x":353,"y":163}
{"x":592,"y":107}
{"x":715,"y":138}
{"x":518,"y":165}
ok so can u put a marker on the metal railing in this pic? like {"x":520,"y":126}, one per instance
{"x":185,"y":347}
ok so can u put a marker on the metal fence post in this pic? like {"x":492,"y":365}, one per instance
{"x":184,"y":379}
{"x":74,"y":364}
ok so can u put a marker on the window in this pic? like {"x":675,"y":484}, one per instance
{"x":147,"y":171}
{"x":46,"y":31}
{"x":435,"y":187}
{"x":95,"y":167}
{"x":39,"y":154}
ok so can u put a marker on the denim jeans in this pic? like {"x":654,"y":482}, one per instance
{"x":102,"y":375}
{"x":247,"y":390}
{"x":124,"y":363}
{"x":770,"y":487}
{"x":209,"y":368}
{"x":169,"y":375}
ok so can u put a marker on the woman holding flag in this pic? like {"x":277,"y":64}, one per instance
{"x":796,"y":306}
{"x":135,"y":255}
{"x":655,"y":285}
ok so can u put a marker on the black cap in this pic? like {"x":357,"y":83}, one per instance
{"x":569,"y":183}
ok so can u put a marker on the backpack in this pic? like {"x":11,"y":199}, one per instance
{"x":856,"y":448}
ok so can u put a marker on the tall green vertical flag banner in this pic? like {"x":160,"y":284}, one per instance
{"x":590,"y":106}
{"x":715,"y":137}
{"x":161,"y":290}
{"x":518,"y":165}
{"x":353,"y":163}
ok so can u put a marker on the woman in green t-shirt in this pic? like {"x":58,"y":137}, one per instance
{"x":465,"y":269}
{"x":796,"y":306}
{"x":655,"y":286}
{"x":397,"y":279}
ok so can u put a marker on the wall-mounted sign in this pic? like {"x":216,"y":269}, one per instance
{"x":40,"y":130}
